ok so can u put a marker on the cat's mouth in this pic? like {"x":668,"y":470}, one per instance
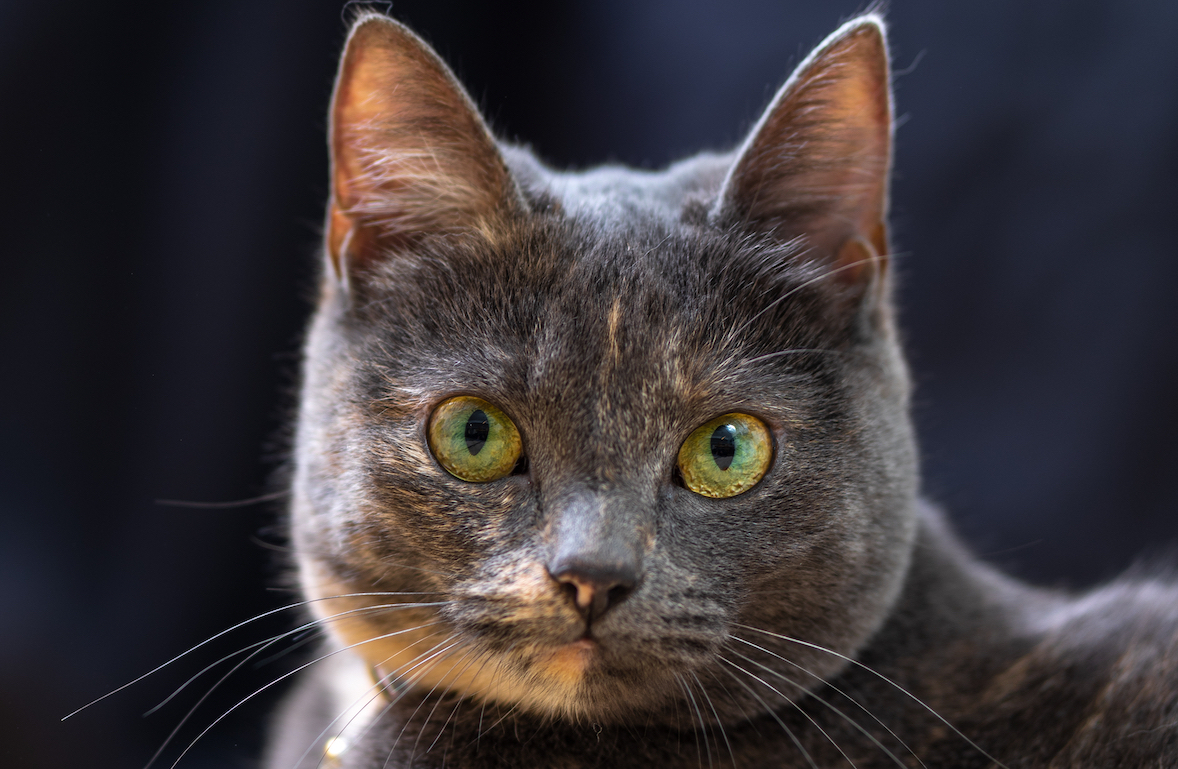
{"x":569,"y":663}
{"x":539,"y":655}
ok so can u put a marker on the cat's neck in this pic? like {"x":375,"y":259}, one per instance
{"x":957,"y":620}
{"x":954,"y":607}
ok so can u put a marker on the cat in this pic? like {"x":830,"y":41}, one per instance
{"x":616,"y":468}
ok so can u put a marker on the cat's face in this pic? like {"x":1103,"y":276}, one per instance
{"x":581,"y":330}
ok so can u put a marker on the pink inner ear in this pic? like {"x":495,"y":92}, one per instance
{"x":817,"y":163}
{"x":410,"y":154}
{"x":859,"y":261}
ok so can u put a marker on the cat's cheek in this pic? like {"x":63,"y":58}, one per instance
{"x":387,"y":631}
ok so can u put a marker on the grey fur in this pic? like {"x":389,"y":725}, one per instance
{"x":610,"y":313}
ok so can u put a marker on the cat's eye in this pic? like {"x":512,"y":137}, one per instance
{"x":474,"y":440}
{"x":726,"y":456}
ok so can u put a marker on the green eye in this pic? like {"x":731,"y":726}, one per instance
{"x":726,"y":456}
{"x":473,"y":440}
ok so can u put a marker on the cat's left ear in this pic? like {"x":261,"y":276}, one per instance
{"x":816,"y":165}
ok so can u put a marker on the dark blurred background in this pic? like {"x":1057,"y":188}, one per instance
{"x":163,"y":171}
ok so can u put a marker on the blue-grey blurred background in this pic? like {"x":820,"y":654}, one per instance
{"x":162,"y":172}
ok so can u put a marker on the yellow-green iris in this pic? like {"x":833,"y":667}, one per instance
{"x":726,"y":456}
{"x":473,"y":439}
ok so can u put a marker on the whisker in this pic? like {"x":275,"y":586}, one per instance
{"x":295,"y":645}
{"x":275,"y":682}
{"x":409,"y":682}
{"x":819,"y":678}
{"x":511,"y":710}
{"x":210,"y":639}
{"x":478,"y":735}
{"x":794,"y":351}
{"x":497,"y":676}
{"x":772,"y":713}
{"x":176,"y":729}
{"x":423,"y":699}
{"x":461,"y":698}
{"x":468,"y":656}
{"x":702,"y":726}
{"x":262,"y":646}
{"x":309,"y":625}
{"x":377,"y":689}
{"x":744,"y":713}
{"x":379,"y":686}
{"x":719,"y":723}
{"x":271,"y":497}
{"x":883,"y":678}
{"x":796,"y":706}
{"x":678,"y":725}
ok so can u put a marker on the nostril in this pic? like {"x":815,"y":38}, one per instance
{"x":618,"y":593}
{"x":593,"y":590}
{"x":570,"y":589}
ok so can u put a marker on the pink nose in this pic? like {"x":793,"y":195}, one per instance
{"x":594,"y":589}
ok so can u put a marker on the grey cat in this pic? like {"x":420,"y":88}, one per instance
{"x":616,"y":468}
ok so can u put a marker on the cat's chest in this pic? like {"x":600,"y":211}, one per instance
{"x":339,"y":723}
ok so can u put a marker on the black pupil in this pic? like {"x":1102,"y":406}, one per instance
{"x":724,"y":446}
{"x":478,"y":427}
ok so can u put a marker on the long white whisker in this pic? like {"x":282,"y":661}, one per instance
{"x":796,"y":706}
{"x":296,"y":642}
{"x":883,"y":678}
{"x":793,"y":351}
{"x":208,"y":693}
{"x":306,"y":626}
{"x":772,"y":713}
{"x":278,"y":680}
{"x":265,"y":643}
{"x":226,"y":631}
{"x":719,"y":723}
{"x":691,"y":722}
{"x":262,"y":646}
{"x":409,"y":682}
{"x":461,"y":697}
{"x":744,"y":713}
{"x":434,"y":709}
{"x":819,"y":678}
{"x":501,"y":718}
{"x":702,"y":725}
{"x":379,"y":687}
{"x":422,"y":674}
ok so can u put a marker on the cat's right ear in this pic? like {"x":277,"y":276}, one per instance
{"x":410,"y":154}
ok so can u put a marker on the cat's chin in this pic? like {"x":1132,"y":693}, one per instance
{"x":574,"y":681}
{"x":571,"y":682}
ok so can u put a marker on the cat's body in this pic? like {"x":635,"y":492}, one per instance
{"x":590,"y":603}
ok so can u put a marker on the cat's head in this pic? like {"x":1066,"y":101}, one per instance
{"x":565,"y":437}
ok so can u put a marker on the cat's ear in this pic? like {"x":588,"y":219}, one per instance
{"x":410,"y":155}
{"x":816,"y":165}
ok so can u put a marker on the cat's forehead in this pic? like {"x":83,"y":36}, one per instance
{"x":618,"y":293}
{"x":664,"y":310}
{"x":619,"y":198}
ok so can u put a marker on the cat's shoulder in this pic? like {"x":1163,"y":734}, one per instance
{"x":1100,"y":685}
{"x":1123,"y":630}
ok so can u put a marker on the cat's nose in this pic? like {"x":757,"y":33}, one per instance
{"x":594,"y":588}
